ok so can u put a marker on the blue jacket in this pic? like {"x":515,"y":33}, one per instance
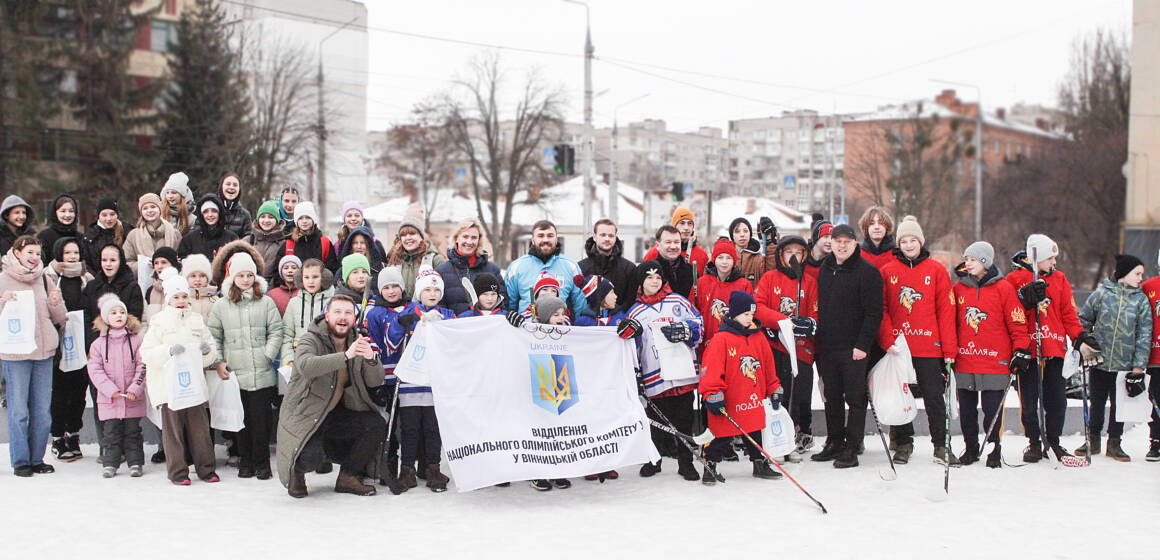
{"x":523,"y":273}
{"x":411,"y":395}
{"x":455,"y":295}
{"x":379,"y":319}
{"x":473,"y":312}
{"x":606,"y":319}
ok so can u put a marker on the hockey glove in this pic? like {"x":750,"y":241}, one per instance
{"x":430,"y":317}
{"x":380,"y":395}
{"x":628,"y":329}
{"x":677,"y":332}
{"x":715,"y":403}
{"x":1089,"y":349}
{"x":515,"y":319}
{"x":775,"y":398}
{"x":1134,"y":384}
{"x":804,"y":327}
{"x":205,"y":348}
{"x":1032,"y":294}
{"x":1020,"y":361}
{"x":768,"y":231}
{"x":176,"y":350}
{"x":408,"y":321}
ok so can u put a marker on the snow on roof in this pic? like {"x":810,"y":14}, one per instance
{"x":930,"y":108}
{"x":786,"y":219}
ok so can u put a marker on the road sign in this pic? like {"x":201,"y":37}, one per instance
{"x":688,"y":191}
{"x":790,"y":182}
{"x":841,"y":219}
{"x":548,"y":159}
{"x":461,"y":176}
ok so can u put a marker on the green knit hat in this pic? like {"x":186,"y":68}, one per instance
{"x":353,"y":261}
{"x":270,"y":207}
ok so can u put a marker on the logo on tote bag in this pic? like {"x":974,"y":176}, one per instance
{"x":183,"y":379}
{"x":14,"y":325}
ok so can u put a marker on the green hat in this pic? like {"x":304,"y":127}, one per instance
{"x":270,"y":207}
{"x":353,"y":261}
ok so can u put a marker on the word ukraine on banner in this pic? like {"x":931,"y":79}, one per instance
{"x":559,"y":401}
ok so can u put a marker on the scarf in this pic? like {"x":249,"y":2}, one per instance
{"x":655,"y":298}
{"x":17,"y":270}
{"x":68,"y":270}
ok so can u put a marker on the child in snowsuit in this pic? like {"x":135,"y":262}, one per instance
{"x":738,"y":375}
{"x":118,"y":372}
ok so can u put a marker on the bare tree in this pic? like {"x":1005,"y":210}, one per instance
{"x":500,"y":145}
{"x":421,"y":155}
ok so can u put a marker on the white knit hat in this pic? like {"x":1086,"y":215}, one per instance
{"x":1040,"y":248}
{"x":195,"y":262}
{"x":107,"y":303}
{"x":427,"y":278}
{"x":241,"y":261}
{"x":306,"y":208}
{"x":391,"y":276}
{"x":178,"y":182}
{"x":173,"y":283}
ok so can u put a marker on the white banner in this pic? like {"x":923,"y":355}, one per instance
{"x":538,"y":401}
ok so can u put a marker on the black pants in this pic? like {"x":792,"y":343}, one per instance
{"x":719,"y":446}
{"x":793,"y":386}
{"x":96,"y":418}
{"x":969,"y":414}
{"x":254,"y":439}
{"x":122,"y":436}
{"x":349,"y":437}
{"x":1054,"y":399}
{"x":68,"y":399}
{"x":679,"y":410}
{"x":1103,"y":386}
{"x":844,"y":383}
{"x":418,"y":424}
{"x":1154,"y":393}
{"x":932,"y":383}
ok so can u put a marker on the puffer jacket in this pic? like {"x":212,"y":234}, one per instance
{"x":312,"y":387}
{"x":613,"y":266}
{"x":300,"y":312}
{"x":204,"y":238}
{"x":201,"y":300}
{"x":253,"y":328}
{"x":146,"y":239}
{"x":522,"y":274}
{"x":97,"y":237}
{"x":7,"y":234}
{"x":458,"y":267}
{"x":171,"y":326}
{"x":56,"y":230}
{"x":235,"y":216}
{"x":16,"y":278}
{"x":115,"y":366}
{"x":1120,"y":318}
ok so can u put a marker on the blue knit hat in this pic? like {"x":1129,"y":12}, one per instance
{"x":739,"y":302}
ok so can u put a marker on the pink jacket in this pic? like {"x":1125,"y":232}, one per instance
{"x":115,"y":366}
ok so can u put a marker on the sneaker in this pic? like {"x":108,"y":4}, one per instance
{"x":687,"y":470}
{"x":707,"y":477}
{"x":43,"y":468}
{"x":1153,"y":452}
{"x":74,"y":445}
{"x":60,"y":449}
{"x":970,"y":455}
{"x":829,"y":452}
{"x":135,"y":471}
{"x":611,"y":475}
{"x":1116,"y":452}
{"x":562,"y":483}
{"x":158,"y":457}
{"x":805,"y":442}
{"x":902,"y":453}
{"x":649,"y":469}
{"x":212,"y":477}
{"x":1033,"y":453}
{"x":592,"y":477}
{"x":941,"y":454}
{"x":995,"y":458}
{"x":1082,"y":451}
{"x":847,"y":458}
{"x":761,"y":469}
{"x":541,"y":484}
{"x":184,"y":481}
{"x":109,"y":472}
{"x":791,"y":458}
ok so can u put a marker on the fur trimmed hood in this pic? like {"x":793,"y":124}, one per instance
{"x":222,"y":258}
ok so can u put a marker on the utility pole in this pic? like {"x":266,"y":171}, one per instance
{"x":588,"y":148}
{"x":322,"y":132}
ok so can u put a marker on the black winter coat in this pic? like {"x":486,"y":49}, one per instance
{"x":235,"y":217}
{"x":56,"y":230}
{"x":310,"y":247}
{"x":204,"y":238}
{"x":679,"y":275}
{"x":96,"y":237}
{"x":849,"y":304}
{"x":124,"y":284}
{"x":455,"y":296}
{"x":617,"y":269}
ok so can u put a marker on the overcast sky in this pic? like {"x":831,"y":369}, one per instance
{"x":705,"y":62}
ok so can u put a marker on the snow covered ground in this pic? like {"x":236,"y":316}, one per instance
{"x":1106,"y":510}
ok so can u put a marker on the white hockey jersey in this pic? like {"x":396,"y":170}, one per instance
{"x":669,"y":310}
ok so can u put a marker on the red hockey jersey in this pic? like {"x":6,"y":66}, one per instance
{"x":713,"y":299}
{"x":739,"y":363}
{"x":1057,"y":313}
{"x":1151,"y":289}
{"x":917,"y":299}
{"x":777,"y":298}
{"x":990,"y":325}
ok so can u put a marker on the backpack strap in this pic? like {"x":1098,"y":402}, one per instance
{"x":324,"y":244}
{"x":289,"y":246}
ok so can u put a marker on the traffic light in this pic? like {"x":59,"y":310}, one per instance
{"x":565,"y":159}
{"x":678,"y":191}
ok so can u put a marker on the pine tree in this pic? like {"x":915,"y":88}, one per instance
{"x":206,"y":115}
{"x":31,"y":86}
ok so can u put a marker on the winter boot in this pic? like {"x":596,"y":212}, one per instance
{"x":436,"y":480}
{"x":1082,"y":450}
{"x":829,"y":452}
{"x":407,"y":477}
{"x":60,"y":449}
{"x":74,"y":445}
{"x":245,"y":470}
{"x":649,"y":469}
{"x":902,"y":453}
{"x":263,"y":472}
{"x":686,"y":469}
{"x":158,"y":457}
{"x":942,"y":453}
{"x":1033,"y":453}
{"x":1115,"y":452}
{"x":761,"y":469}
{"x":847,"y":458}
{"x":970,"y":454}
{"x":541,"y":484}
{"x":324,"y":467}
{"x":561,"y":483}
{"x":297,"y":488}
{"x":1056,"y":448}
{"x":1153,"y":452}
{"x":805,"y":442}
{"x":707,"y":477}
{"x":995,"y":458}
{"x":350,"y":484}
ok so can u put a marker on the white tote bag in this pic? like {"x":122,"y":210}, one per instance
{"x":777,"y":437}
{"x":185,"y":379}
{"x":412,"y":367}
{"x":225,"y":403}
{"x":144,"y":273}
{"x":19,"y":324}
{"x":893,"y":403}
{"x":284,"y":373}
{"x":1131,"y":409}
{"x":73,"y":355}
{"x":676,"y":358}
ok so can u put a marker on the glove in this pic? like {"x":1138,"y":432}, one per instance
{"x":205,"y":348}
{"x":1020,"y":361}
{"x":431,"y":317}
{"x":380,"y":395}
{"x":768,"y":231}
{"x":515,"y":319}
{"x":677,"y":332}
{"x":629,"y":328}
{"x":715,"y":403}
{"x":1032,"y":294}
{"x":176,"y":350}
{"x":408,"y":321}
{"x":775,"y":398}
{"x":1134,"y":384}
{"x":1089,"y":349}
{"x":804,"y":327}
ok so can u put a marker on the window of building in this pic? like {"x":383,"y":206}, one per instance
{"x":162,"y":33}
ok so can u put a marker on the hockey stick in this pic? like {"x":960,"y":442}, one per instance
{"x":773,"y":461}
{"x":393,"y":484}
{"x":947,"y":429}
{"x":1087,"y":425}
{"x":703,"y":439}
{"x":672,"y":429}
{"x":893,"y":474}
{"x":1040,"y":373}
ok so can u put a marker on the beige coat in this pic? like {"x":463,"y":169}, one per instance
{"x":141,"y":241}
{"x":48,"y":316}
{"x":171,"y":326}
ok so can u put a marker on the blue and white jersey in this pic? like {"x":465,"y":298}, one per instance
{"x":409,"y":394}
{"x":669,"y":310}
{"x":379,"y":319}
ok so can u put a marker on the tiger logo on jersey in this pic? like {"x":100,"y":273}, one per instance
{"x":1043,"y":305}
{"x":975,"y":317}
{"x":749,"y":366}
{"x":788,"y":306}
{"x":718,"y":309}
{"x":907,"y":297}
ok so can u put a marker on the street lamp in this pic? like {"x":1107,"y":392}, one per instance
{"x":613,"y":199}
{"x":978,"y":155}
{"x":588,"y":150}
{"x":322,"y":127}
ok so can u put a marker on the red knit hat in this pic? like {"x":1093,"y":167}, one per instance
{"x":724,"y":246}
{"x":546,"y":280}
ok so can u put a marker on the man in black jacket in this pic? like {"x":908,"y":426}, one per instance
{"x":849,"y":313}
{"x":606,"y":258}
{"x":678,"y":273}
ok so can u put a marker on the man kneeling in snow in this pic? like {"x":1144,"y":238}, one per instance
{"x":328,"y":403}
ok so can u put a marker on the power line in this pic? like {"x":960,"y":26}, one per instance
{"x":697,"y":86}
